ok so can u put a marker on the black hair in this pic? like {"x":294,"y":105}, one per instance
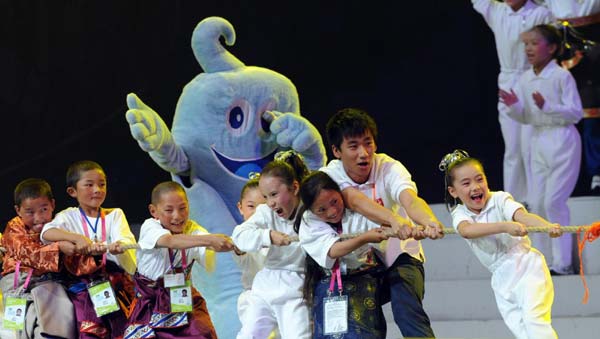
{"x":77,"y":168}
{"x":309,"y":191}
{"x":450,"y":162}
{"x":32,"y":188}
{"x":552,"y":36}
{"x":349,"y":122}
{"x":165,"y":187}
{"x":288,"y":166}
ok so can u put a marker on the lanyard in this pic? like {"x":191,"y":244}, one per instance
{"x":172,"y":259}
{"x":85,"y":221}
{"x":18,"y":273}
{"x":336,"y":273}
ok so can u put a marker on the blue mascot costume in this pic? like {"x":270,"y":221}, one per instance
{"x":229,"y":122}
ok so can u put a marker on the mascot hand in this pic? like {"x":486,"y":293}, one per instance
{"x":296,"y":132}
{"x":153,"y":136}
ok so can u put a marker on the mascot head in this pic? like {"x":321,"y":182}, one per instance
{"x":218,"y":121}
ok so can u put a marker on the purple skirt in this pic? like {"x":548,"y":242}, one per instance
{"x":151,"y":316}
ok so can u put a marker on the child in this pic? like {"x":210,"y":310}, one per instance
{"x":507,"y":20}
{"x":95,"y":271}
{"x":250,"y":263}
{"x":381,"y":189}
{"x":354,"y":259}
{"x":546,"y":97}
{"x":37,"y":264}
{"x":170,"y":243}
{"x":275,"y":299}
{"x":495,"y":227}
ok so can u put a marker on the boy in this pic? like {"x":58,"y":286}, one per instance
{"x":96,"y":270}
{"x":381,"y":188}
{"x":34,"y":204}
{"x":170,"y":242}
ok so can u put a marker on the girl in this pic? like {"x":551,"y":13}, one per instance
{"x":276,"y":295}
{"x":495,"y":227}
{"x":353,"y":260}
{"x":546,"y":97}
{"x":169,"y":244}
{"x":250,"y":263}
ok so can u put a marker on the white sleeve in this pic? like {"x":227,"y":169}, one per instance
{"x":316,"y":238}
{"x":458,"y":216}
{"x":150,"y":232}
{"x":397,"y":179}
{"x":119,"y":230}
{"x":569,"y":110}
{"x":508,"y":205}
{"x":488,"y":9}
{"x":59,"y":221}
{"x":254,"y":233}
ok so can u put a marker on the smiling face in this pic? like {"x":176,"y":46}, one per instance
{"x":539,"y":52}
{"x":90,"y":191}
{"x":328,"y":206}
{"x":356,"y":154}
{"x":35,"y":212}
{"x":251,"y":199}
{"x":280,"y":197}
{"x":469,"y":184}
{"x":172,"y":210}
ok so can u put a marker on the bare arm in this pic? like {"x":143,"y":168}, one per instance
{"x":341,"y":248}
{"x":477,"y":230}
{"x":534,"y":220}
{"x":217,"y":242}
{"x":357,"y":201}
{"x":82,"y":243}
{"x":419,"y":211}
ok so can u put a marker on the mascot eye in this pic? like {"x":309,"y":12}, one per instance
{"x":236,"y":117}
{"x":265,"y":125}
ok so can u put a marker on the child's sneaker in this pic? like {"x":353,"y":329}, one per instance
{"x":595,"y":187}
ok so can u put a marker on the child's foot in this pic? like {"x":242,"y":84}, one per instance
{"x":595,"y":187}
{"x":562,"y":271}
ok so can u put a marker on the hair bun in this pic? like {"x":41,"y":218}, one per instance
{"x":451,"y":158}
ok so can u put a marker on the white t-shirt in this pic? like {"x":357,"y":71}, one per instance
{"x":568,"y":9}
{"x":388,"y":178}
{"x":254,"y":234}
{"x":154,"y":262}
{"x":507,"y":26}
{"x":562,"y":103}
{"x":492,"y":249}
{"x":317,"y":237}
{"x":117,"y":229}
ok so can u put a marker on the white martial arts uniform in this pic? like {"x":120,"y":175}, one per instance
{"x":507,"y":26}
{"x":555,"y":151}
{"x":568,"y":9}
{"x":117,"y":229}
{"x":276,"y":295}
{"x":520,"y":278}
{"x":388,"y":178}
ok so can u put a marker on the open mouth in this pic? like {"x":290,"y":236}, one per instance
{"x":477,"y":197}
{"x":363,"y":165}
{"x":243,"y":167}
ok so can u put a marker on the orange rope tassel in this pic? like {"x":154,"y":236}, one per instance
{"x":592,"y":233}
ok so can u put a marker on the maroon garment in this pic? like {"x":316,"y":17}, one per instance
{"x":151,"y":316}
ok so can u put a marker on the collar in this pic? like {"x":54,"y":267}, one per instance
{"x":547,"y":70}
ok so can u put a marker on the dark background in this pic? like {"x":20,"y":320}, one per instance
{"x":426,"y":70}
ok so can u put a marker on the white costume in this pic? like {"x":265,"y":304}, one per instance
{"x":520,"y":278}
{"x":507,"y":26}
{"x":566,"y":9}
{"x":117,"y":229}
{"x":317,"y":237}
{"x":555,"y":150}
{"x":154,"y":262}
{"x":388,"y":178}
{"x":276,"y":296}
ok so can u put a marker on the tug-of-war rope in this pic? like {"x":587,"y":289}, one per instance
{"x":590,"y":233}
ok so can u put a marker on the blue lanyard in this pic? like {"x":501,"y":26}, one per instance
{"x":95,"y":227}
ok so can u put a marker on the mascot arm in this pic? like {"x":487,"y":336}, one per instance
{"x":154,"y":137}
{"x":294,"y":131}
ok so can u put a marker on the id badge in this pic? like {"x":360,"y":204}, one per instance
{"x":335,"y":315}
{"x":174,"y":280}
{"x":14,"y":313}
{"x":103,"y":298}
{"x":181,"y":297}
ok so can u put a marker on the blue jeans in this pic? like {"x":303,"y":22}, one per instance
{"x":405,"y":283}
